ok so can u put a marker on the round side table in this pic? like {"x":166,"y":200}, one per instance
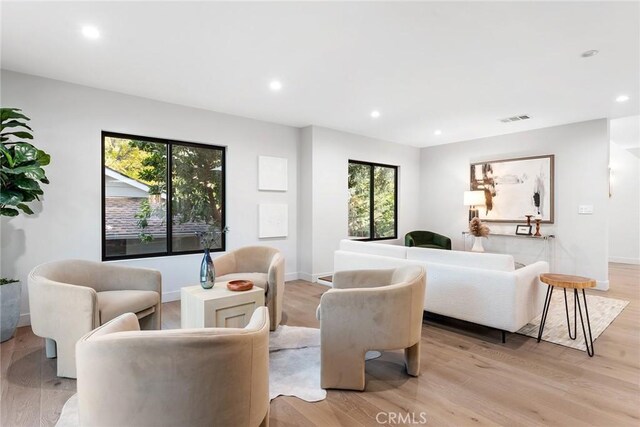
{"x":569,"y":282}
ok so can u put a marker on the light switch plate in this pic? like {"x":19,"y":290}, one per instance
{"x":585,"y":209}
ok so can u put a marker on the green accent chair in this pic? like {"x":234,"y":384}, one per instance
{"x":427,"y":239}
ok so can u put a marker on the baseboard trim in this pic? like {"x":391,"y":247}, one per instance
{"x":170,"y":296}
{"x":623,"y":260}
{"x":313,"y":278}
{"x":324,"y":283}
{"x":317,"y":276}
{"x":307,"y":277}
{"x":291,"y":276}
{"x":25,"y":320}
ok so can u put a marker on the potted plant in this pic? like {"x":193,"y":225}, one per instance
{"x":21,"y":173}
{"x":479,"y":230}
{"x":10,"y":314}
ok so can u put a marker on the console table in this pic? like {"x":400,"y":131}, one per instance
{"x":541,"y":247}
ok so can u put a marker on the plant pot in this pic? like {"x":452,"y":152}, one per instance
{"x":9,"y":309}
{"x":477,"y":244}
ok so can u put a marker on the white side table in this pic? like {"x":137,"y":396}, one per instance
{"x":218,"y":307}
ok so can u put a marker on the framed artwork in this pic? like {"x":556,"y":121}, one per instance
{"x":523,"y":230}
{"x":272,"y":173}
{"x":514,"y":188}
{"x":273,"y":220}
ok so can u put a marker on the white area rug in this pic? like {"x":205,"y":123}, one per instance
{"x":69,"y":415}
{"x":294,"y":363}
{"x":602,"y":311}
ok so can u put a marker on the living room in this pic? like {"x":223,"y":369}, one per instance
{"x":308,"y":113}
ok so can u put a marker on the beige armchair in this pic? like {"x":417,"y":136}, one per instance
{"x":264,"y":266}
{"x":369,"y":310}
{"x":183,"y":377}
{"x":69,"y":298}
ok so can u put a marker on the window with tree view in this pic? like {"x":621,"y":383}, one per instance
{"x":373,"y":201}
{"x":157,"y":194}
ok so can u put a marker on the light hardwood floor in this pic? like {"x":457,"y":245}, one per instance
{"x":468,"y":376}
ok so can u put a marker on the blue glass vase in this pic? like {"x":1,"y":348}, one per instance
{"x":207,"y":271}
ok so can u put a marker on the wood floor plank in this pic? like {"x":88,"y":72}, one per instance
{"x":468,"y":377}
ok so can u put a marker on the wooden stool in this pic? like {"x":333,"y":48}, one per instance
{"x":572,"y":282}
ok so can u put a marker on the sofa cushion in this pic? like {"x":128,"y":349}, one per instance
{"x":112,"y":304}
{"x":381,"y":249}
{"x":486,"y":261}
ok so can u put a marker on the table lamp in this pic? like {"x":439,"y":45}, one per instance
{"x":473,"y":199}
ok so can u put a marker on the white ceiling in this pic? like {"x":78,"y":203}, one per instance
{"x":458,"y":67}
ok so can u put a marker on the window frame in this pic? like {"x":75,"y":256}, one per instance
{"x":169,"y":143}
{"x":372,"y":166}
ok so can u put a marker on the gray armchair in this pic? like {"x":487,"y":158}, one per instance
{"x":264,"y":266}
{"x":181,"y":377}
{"x":69,"y":298}
{"x":369,"y":310}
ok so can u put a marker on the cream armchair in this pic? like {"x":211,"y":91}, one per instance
{"x":183,"y":377}
{"x":264,"y":266}
{"x":369,"y":310}
{"x":69,"y":298}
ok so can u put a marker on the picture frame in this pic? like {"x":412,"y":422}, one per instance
{"x":272,"y":173}
{"x":515,"y":187}
{"x":523,"y":230}
{"x":273,"y":220}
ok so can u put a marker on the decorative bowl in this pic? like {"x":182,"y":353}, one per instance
{"x":239,"y":285}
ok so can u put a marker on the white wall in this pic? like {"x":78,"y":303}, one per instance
{"x":331,"y":151}
{"x":305,"y":204}
{"x":581,"y":177}
{"x":624,"y":206}
{"x":67,"y":120}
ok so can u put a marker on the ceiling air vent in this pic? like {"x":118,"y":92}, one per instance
{"x":515,"y":118}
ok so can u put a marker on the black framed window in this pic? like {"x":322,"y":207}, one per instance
{"x":373,"y":201}
{"x":157,"y":194}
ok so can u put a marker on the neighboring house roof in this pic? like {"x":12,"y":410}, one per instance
{"x":121,"y":222}
{"x":126,"y":179}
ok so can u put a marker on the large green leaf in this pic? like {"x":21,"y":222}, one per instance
{"x":43,"y":158}
{"x":8,"y":212}
{"x":19,"y":134}
{"x":25,"y":152}
{"x":6,"y":153}
{"x":37,"y":173}
{"x":21,"y":169}
{"x":14,"y":124}
{"x":25,"y":183}
{"x":24,"y":208}
{"x":12,"y":113}
{"x":10,"y":197}
{"x":29,"y":196}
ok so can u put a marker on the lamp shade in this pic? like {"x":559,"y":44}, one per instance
{"x":474,"y":198}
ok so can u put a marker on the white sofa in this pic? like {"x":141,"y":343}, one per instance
{"x":480,"y":288}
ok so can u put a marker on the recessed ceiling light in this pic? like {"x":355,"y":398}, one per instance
{"x":622,"y":98}
{"x":90,"y":32}
{"x":589,"y":53}
{"x":437,"y":132}
{"x":275,"y":85}
{"x":375,"y":114}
